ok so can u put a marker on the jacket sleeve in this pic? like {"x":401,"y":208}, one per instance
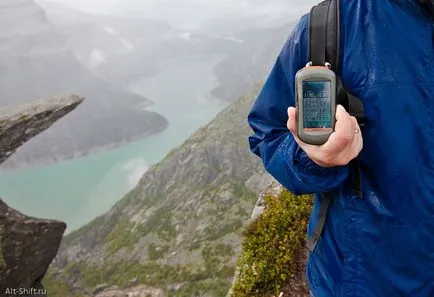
{"x":272,"y":141}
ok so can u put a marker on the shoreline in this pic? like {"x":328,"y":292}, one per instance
{"x":206,"y":98}
{"x":16,"y":166}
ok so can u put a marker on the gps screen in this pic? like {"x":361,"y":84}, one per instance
{"x":316,"y":105}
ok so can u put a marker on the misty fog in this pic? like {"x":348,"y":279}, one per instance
{"x":152,"y":72}
{"x":190,"y":13}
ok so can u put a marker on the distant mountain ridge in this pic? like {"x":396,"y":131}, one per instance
{"x":123,"y":49}
{"x":117,"y":48}
{"x":37,"y":62}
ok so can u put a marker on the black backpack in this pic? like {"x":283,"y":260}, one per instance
{"x":429,"y":6}
{"x":324,"y":41}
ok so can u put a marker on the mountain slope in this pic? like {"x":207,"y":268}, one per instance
{"x":251,"y":61}
{"x":179,"y":229}
{"x":36,"y":62}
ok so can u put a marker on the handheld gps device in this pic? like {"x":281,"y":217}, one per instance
{"x":315,"y":93}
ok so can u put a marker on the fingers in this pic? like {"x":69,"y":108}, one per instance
{"x":344,"y":126}
{"x":343,"y":145}
{"x":351,"y":150}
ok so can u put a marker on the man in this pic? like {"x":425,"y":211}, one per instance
{"x":383,"y":243}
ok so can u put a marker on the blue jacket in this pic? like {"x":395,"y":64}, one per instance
{"x":381,"y":245}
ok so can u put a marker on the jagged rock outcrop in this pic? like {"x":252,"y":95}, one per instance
{"x":28,"y":245}
{"x":20,"y":123}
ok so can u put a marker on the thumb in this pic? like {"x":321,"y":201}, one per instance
{"x":292,"y":125}
{"x":341,"y":113}
{"x":344,"y":124}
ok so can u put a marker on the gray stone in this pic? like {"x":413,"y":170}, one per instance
{"x":100,"y":288}
{"x":273,"y":189}
{"x":139,"y":291}
{"x":133,"y":281}
{"x":20,"y":123}
{"x":27,"y":247}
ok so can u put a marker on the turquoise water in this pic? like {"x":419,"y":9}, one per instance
{"x":77,"y":191}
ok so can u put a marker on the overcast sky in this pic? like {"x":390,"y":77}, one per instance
{"x":190,"y":12}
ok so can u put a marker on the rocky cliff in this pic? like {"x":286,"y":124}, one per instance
{"x":36,"y":62}
{"x":179,"y":230}
{"x":28,"y":245}
{"x":188,"y":224}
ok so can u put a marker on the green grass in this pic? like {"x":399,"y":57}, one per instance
{"x":271,"y":245}
{"x":125,"y":234}
{"x":121,"y":236}
{"x":221,"y":229}
{"x":212,"y":277}
{"x":121,"y":273}
{"x":242,"y":192}
{"x":215,"y":257}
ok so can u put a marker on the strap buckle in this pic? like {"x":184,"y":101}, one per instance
{"x":326,"y":64}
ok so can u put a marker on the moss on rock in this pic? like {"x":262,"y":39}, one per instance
{"x":121,"y":236}
{"x":272,"y":246}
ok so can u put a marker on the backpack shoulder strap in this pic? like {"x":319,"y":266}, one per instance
{"x":324,"y":34}
{"x":324,"y":47}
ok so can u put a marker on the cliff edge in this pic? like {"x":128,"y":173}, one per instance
{"x":28,"y":245}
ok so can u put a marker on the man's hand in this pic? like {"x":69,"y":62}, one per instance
{"x":343,"y":145}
